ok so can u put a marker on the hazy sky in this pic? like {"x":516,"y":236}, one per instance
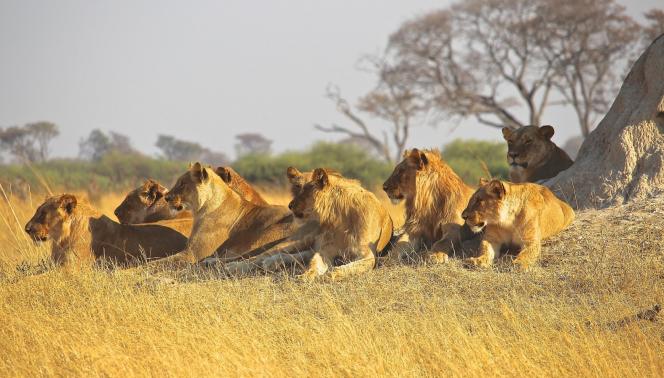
{"x":203,"y":70}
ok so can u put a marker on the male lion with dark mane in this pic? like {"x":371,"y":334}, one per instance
{"x":435,"y":197}
{"x":224,"y":222}
{"x":516,"y":217}
{"x":354,"y":226}
{"x":532,"y":155}
{"x":80,"y":234}
{"x":146,"y":204}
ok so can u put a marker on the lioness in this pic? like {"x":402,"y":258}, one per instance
{"x":515,"y":217}
{"x":224,"y":222}
{"x":146,"y":204}
{"x":532,"y":155}
{"x":352,"y":225}
{"x":80,"y":234}
{"x":435,"y":197}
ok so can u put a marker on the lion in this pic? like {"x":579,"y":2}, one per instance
{"x":434,"y":198}
{"x":80,"y":235}
{"x":146,"y":204}
{"x":516,"y":218}
{"x":532,"y":155}
{"x":352,"y":225}
{"x":299,"y":247}
{"x":225,"y":222}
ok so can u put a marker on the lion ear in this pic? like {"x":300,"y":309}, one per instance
{"x":199,"y":173}
{"x":483,"y":181}
{"x":547,"y":131}
{"x":68,"y":202}
{"x":320,"y":178}
{"x":293,"y":173}
{"x":507,"y":132}
{"x":224,"y":173}
{"x":154,"y":189}
{"x":496,"y":188}
{"x":418,"y":157}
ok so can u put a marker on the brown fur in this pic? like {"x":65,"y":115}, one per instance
{"x":146,"y":204}
{"x":352,"y":224}
{"x":532,"y":155}
{"x":435,"y":197}
{"x":516,"y":217}
{"x":224,"y":222}
{"x":80,"y":234}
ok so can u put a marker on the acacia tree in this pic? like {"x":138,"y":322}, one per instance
{"x":252,"y":143}
{"x":29,"y":142}
{"x":393,"y":101}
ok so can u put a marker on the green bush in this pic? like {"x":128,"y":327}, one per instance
{"x":470,"y":157}
{"x":350,"y":160}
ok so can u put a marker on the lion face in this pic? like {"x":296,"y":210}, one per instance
{"x":297,"y":180}
{"x":136,"y":206}
{"x":402,"y":181}
{"x":51,"y":217}
{"x":485,"y":206}
{"x":302,"y":204}
{"x":528,"y":145}
{"x":185,"y":192}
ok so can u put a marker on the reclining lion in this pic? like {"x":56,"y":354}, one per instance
{"x":80,"y":234}
{"x":516,"y":217}
{"x":224,"y":222}
{"x":146,"y":204}
{"x":352,"y":225}
{"x":435,"y":197}
{"x":532,"y":155}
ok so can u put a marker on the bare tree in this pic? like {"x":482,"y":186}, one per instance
{"x":182,"y":150}
{"x":252,"y":143}
{"x":591,"y":43}
{"x":392,"y":101}
{"x":487,"y":58}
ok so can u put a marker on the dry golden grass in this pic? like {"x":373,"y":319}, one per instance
{"x":558,"y":319}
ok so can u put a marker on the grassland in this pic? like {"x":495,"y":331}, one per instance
{"x":561,"y":318}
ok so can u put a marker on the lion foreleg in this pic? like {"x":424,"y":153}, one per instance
{"x":487,"y":252}
{"x":283,"y":260}
{"x":318,"y":265}
{"x":364,"y":262}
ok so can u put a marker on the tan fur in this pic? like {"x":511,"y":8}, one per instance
{"x":516,"y":217}
{"x":146,"y":204}
{"x":352,"y":225}
{"x":435,"y":197}
{"x":80,"y":234}
{"x":299,"y":247}
{"x":224,"y":222}
{"x":532,"y":155}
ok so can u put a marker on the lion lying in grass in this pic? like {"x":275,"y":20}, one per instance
{"x":224,"y":222}
{"x":435,"y":197}
{"x":354,"y":226}
{"x":514,"y":216}
{"x":146,"y":204}
{"x":80,"y":234}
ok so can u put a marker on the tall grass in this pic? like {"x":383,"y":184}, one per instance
{"x":395,"y":321}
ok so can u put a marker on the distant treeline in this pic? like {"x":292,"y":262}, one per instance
{"x":118,"y":171}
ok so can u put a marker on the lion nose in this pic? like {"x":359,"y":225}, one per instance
{"x":464,"y":215}
{"x":513,"y":154}
{"x":28,"y":228}
{"x":385,"y":187}
{"x":168,"y":197}
{"x":117,"y":213}
{"x":290,"y":205}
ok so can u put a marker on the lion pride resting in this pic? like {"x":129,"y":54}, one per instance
{"x":224,"y":222}
{"x":532,"y":155}
{"x":516,"y":216}
{"x":435,"y":197}
{"x":353,"y":225}
{"x":80,"y":234}
{"x":146,"y":204}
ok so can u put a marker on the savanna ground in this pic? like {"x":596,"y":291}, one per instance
{"x":561,"y":318}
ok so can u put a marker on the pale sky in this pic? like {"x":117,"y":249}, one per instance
{"x":204,"y":70}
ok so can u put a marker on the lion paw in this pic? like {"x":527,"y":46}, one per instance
{"x":480,"y":261}
{"x":438,"y":258}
